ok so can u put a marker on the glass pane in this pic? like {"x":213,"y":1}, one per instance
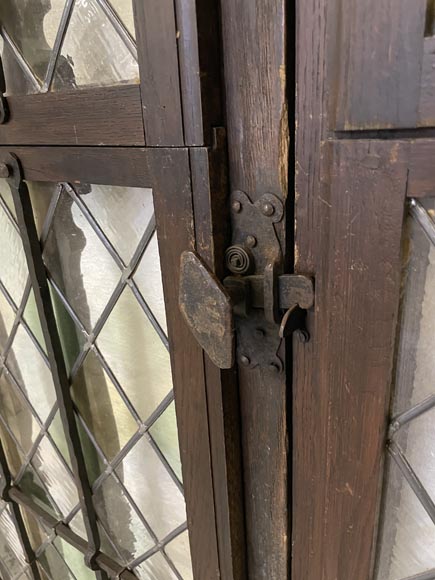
{"x":155,"y":568}
{"x":33,"y":27}
{"x":7,"y":317}
{"x":32,"y":320}
{"x":54,"y":565}
{"x":13,"y":454}
{"x":11,"y":551}
{"x":37,"y":534}
{"x":17,"y":81}
{"x":93,"y":53}
{"x":121,"y":521}
{"x":102,"y":407}
{"x":79,"y":263}
{"x":123,"y":213}
{"x":136,"y":355}
{"x":31,"y":373}
{"x":6,"y":195}
{"x":124,"y":9}
{"x":74,"y":559}
{"x":77,"y":525}
{"x":13,"y":266}
{"x":165,"y":434}
{"x":55,"y":476}
{"x":179,"y":552}
{"x":155,"y":493}
{"x":148,"y":278}
{"x":16,"y":414}
{"x":32,"y":486}
{"x":407,"y":540}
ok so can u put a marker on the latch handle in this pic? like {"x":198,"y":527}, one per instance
{"x":209,"y":306}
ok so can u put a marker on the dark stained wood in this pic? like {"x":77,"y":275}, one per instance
{"x":254,"y":54}
{"x":174,"y":217}
{"x":200,"y":71}
{"x":375,"y":53}
{"x":211,"y":209}
{"x":99,"y":116}
{"x":156,"y":36}
{"x":421,"y":178}
{"x":426,"y":111}
{"x":104,"y":165}
{"x":342,"y":378}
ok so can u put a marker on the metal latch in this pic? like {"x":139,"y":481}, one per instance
{"x":210,"y":308}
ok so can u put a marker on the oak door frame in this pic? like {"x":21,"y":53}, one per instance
{"x":206,"y":403}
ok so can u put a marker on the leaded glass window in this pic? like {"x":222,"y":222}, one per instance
{"x":100,"y":250}
{"x":67,"y":44}
{"x":407,"y":534}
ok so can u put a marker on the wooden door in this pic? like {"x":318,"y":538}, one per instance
{"x":362,"y":392}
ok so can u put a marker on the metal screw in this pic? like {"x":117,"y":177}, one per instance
{"x":4,"y":170}
{"x":251,"y":241}
{"x":274,"y":367}
{"x":303,"y":335}
{"x":236,"y":206}
{"x":267,"y":209}
{"x":245,"y":360}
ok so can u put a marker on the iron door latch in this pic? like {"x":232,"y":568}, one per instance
{"x":257,"y":303}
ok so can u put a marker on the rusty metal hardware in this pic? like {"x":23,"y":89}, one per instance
{"x":209,"y":308}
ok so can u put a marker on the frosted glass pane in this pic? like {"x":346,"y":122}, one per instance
{"x":123,"y":213}
{"x":102,"y":407}
{"x":16,"y":414}
{"x":155,"y":493}
{"x":31,"y":373}
{"x":54,"y":565}
{"x":124,"y":9}
{"x":155,"y":568}
{"x":136,"y":355}
{"x":179,"y":552}
{"x":13,"y":266}
{"x":31,"y":317}
{"x":7,"y":317}
{"x":6,"y":194}
{"x":55,"y":477}
{"x":165,"y":434}
{"x":37,"y":534}
{"x":93,"y":53}
{"x":148,"y":278}
{"x":33,"y":487}
{"x":79,"y":263}
{"x":33,"y":27}
{"x":13,"y":454}
{"x":121,"y":521}
{"x":10,"y":546}
{"x":74,"y":560}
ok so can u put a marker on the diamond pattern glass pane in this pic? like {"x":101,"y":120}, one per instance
{"x":179,"y":552}
{"x":13,"y":454}
{"x":155,"y":493}
{"x":16,"y":414}
{"x":33,"y":487}
{"x":155,"y":568}
{"x":102,"y":408}
{"x":7,"y":317}
{"x":13,"y":267}
{"x":136,"y":355}
{"x":80,"y":265}
{"x":31,"y":373}
{"x":54,"y":565}
{"x":74,"y":560}
{"x":32,"y":27}
{"x":165,"y":434}
{"x":407,"y":539}
{"x":93,"y":52}
{"x":13,"y":558}
{"x":121,"y":520}
{"x":148,"y":278}
{"x":124,"y":9}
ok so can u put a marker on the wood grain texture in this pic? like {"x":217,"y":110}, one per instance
{"x":421,"y":178}
{"x":99,"y":116}
{"x":159,"y":75}
{"x":426,"y":111}
{"x":254,"y":50}
{"x":175,"y":230}
{"x":200,"y":68}
{"x":376,"y":52}
{"x":342,"y":379}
